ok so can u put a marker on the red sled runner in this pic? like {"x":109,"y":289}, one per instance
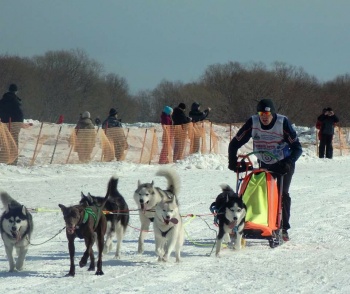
{"x":259,"y":191}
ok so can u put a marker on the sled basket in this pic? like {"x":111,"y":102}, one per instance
{"x":260,"y":194}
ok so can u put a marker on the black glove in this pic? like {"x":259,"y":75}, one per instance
{"x":240,"y":167}
{"x":282,"y":167}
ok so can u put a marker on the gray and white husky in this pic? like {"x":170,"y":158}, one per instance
{"x":231,"y":212}
{"x":16,"y":227}
{"x":147,"y":196}
{"x":168,"y":229}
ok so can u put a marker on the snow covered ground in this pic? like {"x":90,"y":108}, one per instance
{"x":316,"y":260}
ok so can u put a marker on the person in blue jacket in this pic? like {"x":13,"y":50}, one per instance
{"x":273,"y":133}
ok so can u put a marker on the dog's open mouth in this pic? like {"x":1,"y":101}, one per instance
{"x":143,"y":207}
{"x":70,"y":230}
{"x":171,"y":220}
{"x":16,"y":235}
{"x":232,"y":224}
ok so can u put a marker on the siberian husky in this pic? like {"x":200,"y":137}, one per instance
{"x":168,"y":229}
{"x":147,"y":196}
{"x":16,"y":229}
{"x":231,"y":212}
{"x":117,"y":220}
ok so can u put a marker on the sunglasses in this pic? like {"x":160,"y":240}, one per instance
{"x":266,"y":113}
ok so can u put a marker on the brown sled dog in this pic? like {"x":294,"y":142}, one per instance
{"x":82,"y":222}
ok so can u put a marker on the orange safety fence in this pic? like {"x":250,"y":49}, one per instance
{"x":47,"y":143}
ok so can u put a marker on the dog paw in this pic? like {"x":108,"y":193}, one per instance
{"x":99,"y":273}
{"x":70,"y":274}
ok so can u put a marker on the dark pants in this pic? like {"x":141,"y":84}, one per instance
{"x":326,"y":144}
{"x":286,"y":200}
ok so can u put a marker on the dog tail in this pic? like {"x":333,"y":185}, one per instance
{"x":227,"y":189}
{"x":172,"y":178}
{"x":112,"y":190}
{"x":7,"y":200}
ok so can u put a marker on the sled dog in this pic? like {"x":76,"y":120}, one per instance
{"x":84,"y":222}
{"x":231,"y":212}
{"x":16,"y":229}
{"x":117,"y":219}
{"x":168,"y":229}
{"x":147,"y":196}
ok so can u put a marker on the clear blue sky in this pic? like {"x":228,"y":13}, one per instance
{"x":146,"y":41}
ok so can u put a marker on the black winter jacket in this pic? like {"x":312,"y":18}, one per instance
{"x":11,"y":107}
{"x":196,"y":114}
{"x":179,"y":117}
{"x":327,"y":124}
{"x":111,"y":122}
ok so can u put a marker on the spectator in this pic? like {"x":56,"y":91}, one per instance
{"x":85,"y":137}
{"x":115,"y":134}
{"x":326,"y":122}
{"x":270,"y":132}
{"x":180,"y":120}
{"x":198,"y":131}
{"x":196,"y":114}
{"x":165,"y":120}
{"x":11,"y":113}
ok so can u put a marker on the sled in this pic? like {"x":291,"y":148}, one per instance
{"x":258,"y":188}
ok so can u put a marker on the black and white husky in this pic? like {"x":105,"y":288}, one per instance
{"x":231,"y":212}
{"x":168,"y":229}
{"x":117,"y":219}
{"x":147,"y":196}
{"x":16,"y":226}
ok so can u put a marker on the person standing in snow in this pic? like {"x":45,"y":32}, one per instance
{"x":180,"y":121}
{"x":85,"y":137}
{"x":325,"y":123}
{"x":197,"y":115}
{"x":11,"y":113}
{"x":273,"y":133}
{"x":115,"y":133}
{"x":166,"y":121}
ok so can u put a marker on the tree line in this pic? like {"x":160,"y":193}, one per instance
{"x":68,"y":82}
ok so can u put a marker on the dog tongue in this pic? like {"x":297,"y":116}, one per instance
{"x":174,"y":220}
{"x":16,"y":235}
{"x":232,"y":224}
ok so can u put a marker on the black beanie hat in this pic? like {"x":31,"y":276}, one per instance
{"x":112,"y":112}
{"x":182,"y":106}
{"x":265,"y":105}
{"x":13,"y":88}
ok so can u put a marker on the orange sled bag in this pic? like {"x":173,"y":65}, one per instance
{"x":260,"y":194}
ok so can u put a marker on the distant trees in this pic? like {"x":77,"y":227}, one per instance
{"x":69,"y":82}
{"x":65,"y":82}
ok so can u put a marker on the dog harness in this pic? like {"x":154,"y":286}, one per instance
{"x":87,"y":212}
{"x":165,"y":233}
